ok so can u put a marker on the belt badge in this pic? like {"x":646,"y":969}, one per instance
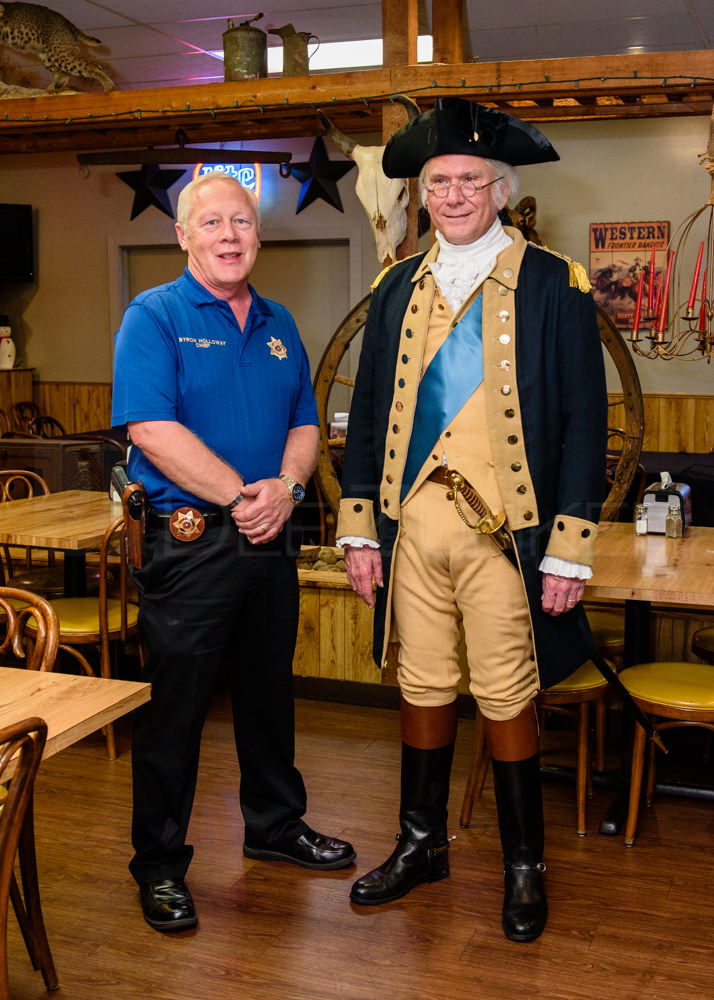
{"x":186,"y":524}
{"x":277,"y":348}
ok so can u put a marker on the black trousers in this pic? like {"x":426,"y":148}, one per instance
{"x":211,"y":603}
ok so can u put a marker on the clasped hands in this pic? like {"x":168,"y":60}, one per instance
{"x":265,"y":508}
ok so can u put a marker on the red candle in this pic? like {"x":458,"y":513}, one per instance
{"x":651,"y":283}
{"x":638,"y":304}
{"x":658,"y":299}
{"x":665,"y":294}
{"x":703,"y":310}
{"x":695,"y":280}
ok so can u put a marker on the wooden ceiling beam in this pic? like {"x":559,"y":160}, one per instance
{"x":284,"y":107}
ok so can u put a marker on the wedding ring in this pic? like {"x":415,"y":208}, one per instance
{"x":262,"y":526}
{"x":571,"y":602}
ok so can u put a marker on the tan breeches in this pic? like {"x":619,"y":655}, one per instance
{"x":447,"y":575}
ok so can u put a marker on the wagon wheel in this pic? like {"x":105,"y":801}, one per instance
{"x":621,"y":467}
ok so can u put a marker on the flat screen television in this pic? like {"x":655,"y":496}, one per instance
{"x":16,"y":252}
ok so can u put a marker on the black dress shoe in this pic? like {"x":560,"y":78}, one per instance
{"x":309,"y":850}
{"x":167,"y":905}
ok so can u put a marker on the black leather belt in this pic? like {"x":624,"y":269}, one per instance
{"x":186,"y":524}
{"x":161,"y":518}
{"x":440,"y":476}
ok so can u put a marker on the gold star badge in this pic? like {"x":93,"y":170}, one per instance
{"x":186,"y":524}
{"x":277,"y":348}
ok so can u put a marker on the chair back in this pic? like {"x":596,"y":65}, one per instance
{"x":26,"y":740}
{"x":19,"y":484}
{"x":113,"y":559}
{"x":22,"y":413}
{"x":46,"y":427}
{"x":34,"y":648}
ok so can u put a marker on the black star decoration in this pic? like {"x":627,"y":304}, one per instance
{"x":150,"y":184}
{"x":319,"y":178}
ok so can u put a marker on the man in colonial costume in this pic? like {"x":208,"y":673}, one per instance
{"x":481,"y":359}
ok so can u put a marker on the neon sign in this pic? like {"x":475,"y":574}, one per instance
{"x":247,"y":174}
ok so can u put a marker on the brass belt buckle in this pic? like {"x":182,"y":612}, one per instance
{"x":187,"y":524}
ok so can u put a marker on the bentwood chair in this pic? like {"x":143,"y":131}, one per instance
{"x":22,"y":413}
{"x":17,"y":838}
{"x":21,"y":484}
{"x":46,"y":579}
{"x":18,"y":609}
{"x":45,"y":426}
{"x":571,"y":696}
{"x":102,"y":622}
{"x":673,"y":695}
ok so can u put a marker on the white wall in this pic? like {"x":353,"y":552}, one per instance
{"x":63,"y":324}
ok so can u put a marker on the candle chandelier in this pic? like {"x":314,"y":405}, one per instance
{"x":686,"y":330}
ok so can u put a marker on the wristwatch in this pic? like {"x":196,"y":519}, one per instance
{"x":234,"y":503}
{"x":297,"y":490}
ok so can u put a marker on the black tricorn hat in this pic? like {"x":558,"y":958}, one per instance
{"x":456,"y":125}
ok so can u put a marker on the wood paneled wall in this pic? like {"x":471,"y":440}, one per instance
{"x":79,"y":406}
{"x":673,"y":422}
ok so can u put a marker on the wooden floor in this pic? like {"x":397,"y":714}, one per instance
{"x":630,"y":923}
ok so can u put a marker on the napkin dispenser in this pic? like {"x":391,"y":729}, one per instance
{"x":658,"y":498}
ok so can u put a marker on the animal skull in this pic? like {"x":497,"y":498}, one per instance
{"x":384,"y":199}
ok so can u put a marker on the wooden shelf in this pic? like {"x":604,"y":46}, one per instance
{"x":589,"y":88}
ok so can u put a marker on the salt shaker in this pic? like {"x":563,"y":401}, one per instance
{"x":641,"y":519}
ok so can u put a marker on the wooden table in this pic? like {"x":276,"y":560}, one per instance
{"x":73,"y":520}
{"x":73,"y":706}
{"x":640,"y":570}
{"x":647,"y":568}
{"x":652,"y":567}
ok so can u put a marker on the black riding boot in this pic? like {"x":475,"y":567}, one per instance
{"x":421,"y":854}
{"x":520,"y":820}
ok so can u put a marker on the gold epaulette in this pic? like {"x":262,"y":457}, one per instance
{"x":577,"y":275}
{"x":389,"y":268}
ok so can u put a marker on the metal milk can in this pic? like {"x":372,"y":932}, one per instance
{"x":295,"y":55}
{"x":245,"y":55}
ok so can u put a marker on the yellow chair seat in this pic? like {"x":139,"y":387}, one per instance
{"x":608,"y":629}
{"x":672,"y":685}
{"x":78,"y":616}
{"x":583,"y":679}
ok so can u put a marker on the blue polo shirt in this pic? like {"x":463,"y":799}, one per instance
{"x":181,"y":355}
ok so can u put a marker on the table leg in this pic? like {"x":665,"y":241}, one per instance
{"x":75,"y":578}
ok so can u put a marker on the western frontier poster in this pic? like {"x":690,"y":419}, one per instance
{"x":619,"y":251}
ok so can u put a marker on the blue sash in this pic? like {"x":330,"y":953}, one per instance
{"x":453,"y":376}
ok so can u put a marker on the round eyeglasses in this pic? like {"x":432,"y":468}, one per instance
{"x":467,"y":188}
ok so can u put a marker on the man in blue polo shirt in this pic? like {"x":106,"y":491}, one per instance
{"x":213,"y":384}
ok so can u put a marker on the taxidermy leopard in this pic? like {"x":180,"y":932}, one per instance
{"x":30,"y":27}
